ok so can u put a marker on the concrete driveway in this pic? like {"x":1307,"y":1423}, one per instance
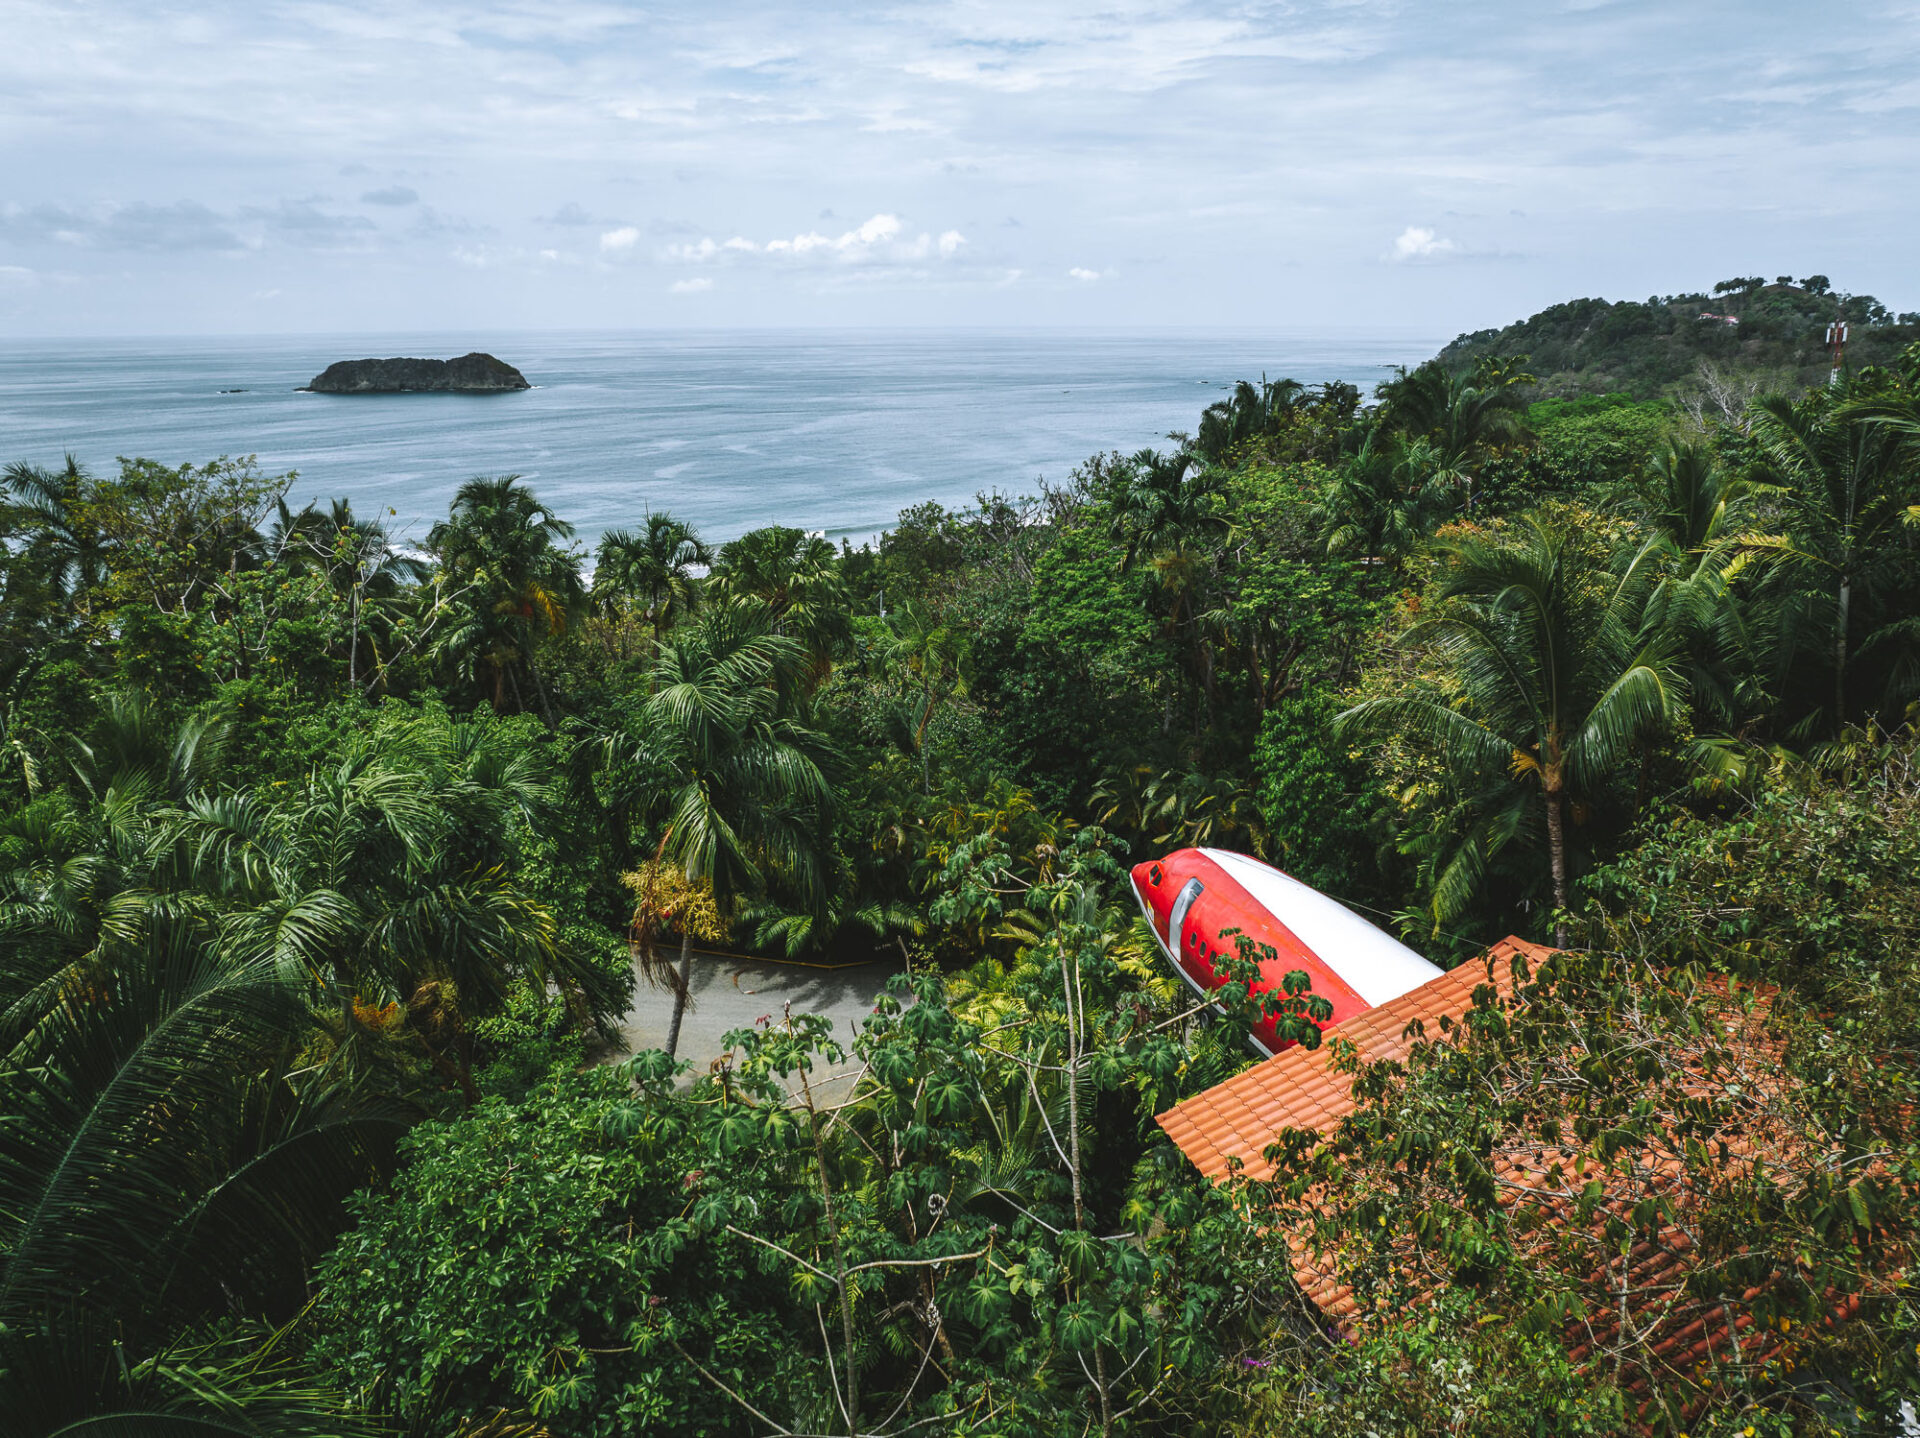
{"x":736,"y":993}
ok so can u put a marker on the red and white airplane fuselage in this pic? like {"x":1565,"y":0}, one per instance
{"x":1194,"y":899}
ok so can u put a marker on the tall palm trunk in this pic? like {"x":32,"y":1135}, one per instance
{"x":1557,"y":851}
{"x":1840,"y":653}
{"x":533,"y":672}
{"x":353,"y":641}
{"x":920,"y":735}
{"x":682,"y":990}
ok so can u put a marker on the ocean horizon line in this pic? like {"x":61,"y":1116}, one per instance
{"x":1200,"y":332}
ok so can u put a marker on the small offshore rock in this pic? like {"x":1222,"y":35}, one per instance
{"x":470,"y":374}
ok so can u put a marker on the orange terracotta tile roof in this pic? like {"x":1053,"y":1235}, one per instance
{"x":1225,"y":1131}
{"x":1302,"y":1088}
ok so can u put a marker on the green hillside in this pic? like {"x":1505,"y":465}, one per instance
{"x":1658,"y":346}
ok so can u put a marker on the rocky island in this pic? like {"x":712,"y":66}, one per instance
{"x":469,"y":374}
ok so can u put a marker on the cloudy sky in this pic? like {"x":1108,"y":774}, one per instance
{"x":269,"y":166}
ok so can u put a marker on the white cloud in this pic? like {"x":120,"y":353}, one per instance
{"x":876,"y":231}
{"x":1650,"y":147}
{"x":1417,"y":242}
{"x":391,"y":195}
{"x":880,"y":241}
{"x":1084,"y":275}
{"x":614,"y":242}
{"x":697,"y":285}
{"x":880,"y":227}
{"x":15,"y":275}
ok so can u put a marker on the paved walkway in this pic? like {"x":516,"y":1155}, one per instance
{"x":735,"y":993}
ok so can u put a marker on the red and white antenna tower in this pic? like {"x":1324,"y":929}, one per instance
{"x":1837,"y":341}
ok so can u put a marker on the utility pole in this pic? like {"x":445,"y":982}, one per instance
{"x":1837,"y":340}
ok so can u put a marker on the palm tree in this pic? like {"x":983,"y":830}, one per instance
{"x":122,"y":1106}
{"x":78,"y":874}
{"x":1160,"y":496}
{"x":47,"y":505}
{"x":355,"y":555}
{"x":52,"y":560}
{"x":499,"y":524}
{"x":1690,"y":498}
{"x":298,"y":541}
{"x":655,"y":569}
{"x":1547,"y":681}
{"x":1227,"y":426}
{"x":77,"y":1374}
{"x":172,"y":1155}
{"x":1465,"y":417}
{"x":751,"y":799}
{"x":184,"y":969}
{"x":794,"y":577}
{"x":933,"y":661}
{"x":1385,"y":500}
{"x":165,"y":1164}
{"x":1847,"y":485}
{"x":387,"y":878}
{"x":499,"y":539}
{"x":1694,"y":514}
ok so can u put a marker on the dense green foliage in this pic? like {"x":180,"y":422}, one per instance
{"x":326,"y":872}
{"x":653,"y":1253}
{"x":1747,"y":330}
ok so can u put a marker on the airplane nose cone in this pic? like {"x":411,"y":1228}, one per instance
{"x":1150,"y":887}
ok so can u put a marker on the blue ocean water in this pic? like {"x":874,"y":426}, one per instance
{"x":826,"y":430}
